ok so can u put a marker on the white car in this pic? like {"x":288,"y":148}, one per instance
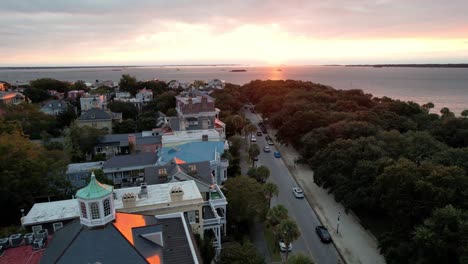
{"x":282,"y":246}
{"x":253,"y":139}
{"x":298,"y":192}
{"x":266,"y":149}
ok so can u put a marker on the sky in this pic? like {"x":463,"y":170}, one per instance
{"x":255,"y":32}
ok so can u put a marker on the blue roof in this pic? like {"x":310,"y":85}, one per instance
{"x":192,"y":152}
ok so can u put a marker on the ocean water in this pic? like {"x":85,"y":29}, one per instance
{"x":443,"y":86}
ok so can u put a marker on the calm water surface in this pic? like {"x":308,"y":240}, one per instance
{"x":444,"y":87}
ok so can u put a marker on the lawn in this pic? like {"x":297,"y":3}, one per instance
{"x":272,"y":244}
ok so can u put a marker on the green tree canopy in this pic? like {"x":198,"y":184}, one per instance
{"x":128,"y":83}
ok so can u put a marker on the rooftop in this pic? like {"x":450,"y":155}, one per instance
{"x":160,"y":194}
{"x":180,"y":137}
{"x":86,"y":166}
{"x":94,"y":114}
{"x":51,"y":211}
{"x":192,"y":152}
{"x":133,"y":160}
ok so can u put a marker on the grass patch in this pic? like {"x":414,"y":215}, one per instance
{"x":272,"y":244}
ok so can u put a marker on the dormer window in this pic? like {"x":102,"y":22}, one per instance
{"x":193,"y":167}
{"x":162,"y":171}
{"x":93,"y":115}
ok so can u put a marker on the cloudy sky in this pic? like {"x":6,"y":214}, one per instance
{"x":154,"y":32}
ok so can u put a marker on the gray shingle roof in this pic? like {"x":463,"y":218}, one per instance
{"x":202,"y":173}
{"x":134,"y":160}
{"x":95,"y":114}
{"x":55,"y":105}
{"x":122,"y":139}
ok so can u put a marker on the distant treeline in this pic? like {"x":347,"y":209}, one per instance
{"x":448,"y":65}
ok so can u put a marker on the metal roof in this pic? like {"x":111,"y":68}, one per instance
{"x":94,"y":190}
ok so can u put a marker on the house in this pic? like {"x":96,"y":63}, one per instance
{"x":11,"y":98}
{"x":88,"y":102}
{"x":177,"y":170}
{"x":158,"y":230}
{"x":96,"y":118}
{"x":196,"y":111}
{"x":99,"y":83}
{"x":73,"y":95}
{"x":144,"y":96}
{"x":54,"y":107}
{"x":77,"y":173}
{"x":197,"y":152}
{"x":128,"y":170}
{"x":104,"y":210}
{"x":176,"y":138}
{"x":119,"y":144}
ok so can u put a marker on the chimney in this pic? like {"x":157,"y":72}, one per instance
{"x":129,"y":200}
{"x":177,"y":194}
{"x":204,"y":137}
{"x":132,"y":143}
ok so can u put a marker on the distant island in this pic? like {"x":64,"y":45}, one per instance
{"x":238,"y":70}
{"x":448,"y":65}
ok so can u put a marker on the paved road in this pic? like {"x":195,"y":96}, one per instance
{"x":299,"y":209}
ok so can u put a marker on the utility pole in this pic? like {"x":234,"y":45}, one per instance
{"x":338,"y":223}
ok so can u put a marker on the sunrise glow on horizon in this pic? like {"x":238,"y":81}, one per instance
{"x":152,"y":33}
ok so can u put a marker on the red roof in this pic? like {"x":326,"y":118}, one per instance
{"x":22,"y":255}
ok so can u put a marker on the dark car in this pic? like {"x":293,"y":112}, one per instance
{"x":323,"y":234}
{"x":259,"y":134}
{"x":255,"y":158}
{"x":267,"y":137}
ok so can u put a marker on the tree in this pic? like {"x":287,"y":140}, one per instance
{"x":262,"y":174}
{"x":238,"y":123}
{"x":128,"y":83}
{"x":464,"y":113}
{"x":235,"y":253}
{"x":246,"y":198}
{"x":250,"y":129}
{"x":443,"y":237}
{"x":128,"y":110}
{"x":288,"y":231}
{"x":124,"y":127}
{"x":446,"y":112}
{"x":166,"y":101}
{"x":427,"y":107}
{"x":36,"y":95}
{"x":80,"y":141}
{"x":80,"y":85}
{"x":65,"y":118}
{"x":254,"y":151}
{"x":46,"y":84}
{"x":270,"y":189}
{"x":28,"y":172}
{"x":276,"y":215}
{"x":299,"y":258}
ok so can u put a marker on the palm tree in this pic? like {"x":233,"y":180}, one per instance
{"x":250,"y":128}
{"x":270,"y":189}
{"x":262,"y":174}
{"x":427,"y":107}
{"x":254,"y":151}
{"x":288,"y":231}
{"x":275,"y":215}
{"x":238,"y":122}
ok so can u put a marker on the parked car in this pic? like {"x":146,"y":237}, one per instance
{"x":259,"y":133}
{"x":298,"y":193}
{"x":260,"y":123}
{"x":253,"y":139}
{"x":323,"y":234}
{"x":269,"y":142}
{"x":277,"y":154}
{"x":266,"y":149}
{"x":267,"y":137}
{"x":282,"y":246}
{"x":255,"y":158}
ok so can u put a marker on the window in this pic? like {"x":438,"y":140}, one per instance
{"x":57,"y":226}
{"x":107,"y":209}
{"x":95,"y":211}
{"x":193,"y":167}
{"x":84,"y":214}
{"x":162,"y":171}
{"x":36,"y":228}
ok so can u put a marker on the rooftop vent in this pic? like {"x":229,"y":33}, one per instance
{"x":128,"y":199}
{"x":143,"y":191}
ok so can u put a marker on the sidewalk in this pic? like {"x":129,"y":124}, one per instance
{"x":356,"y":245}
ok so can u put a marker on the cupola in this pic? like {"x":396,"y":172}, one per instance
{"x":96,"y":203}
